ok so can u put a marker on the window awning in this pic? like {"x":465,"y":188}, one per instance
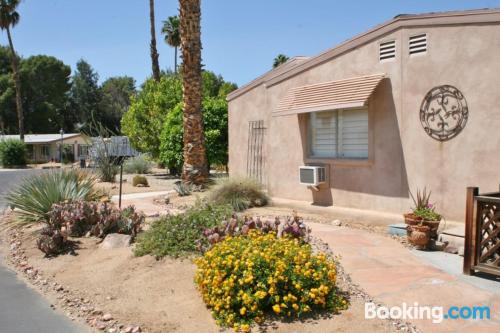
{"x":348,"y":93}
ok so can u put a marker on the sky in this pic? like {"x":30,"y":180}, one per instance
{"x":240,"y":38}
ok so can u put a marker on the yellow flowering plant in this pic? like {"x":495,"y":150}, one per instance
{"x":244,"y":277}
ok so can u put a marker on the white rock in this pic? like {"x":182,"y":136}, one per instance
{"x":336,"y":223}
{"x":107,"y":317}
{"x":116,"y":241}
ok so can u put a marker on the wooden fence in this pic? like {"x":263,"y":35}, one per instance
{"x":482,"y":232}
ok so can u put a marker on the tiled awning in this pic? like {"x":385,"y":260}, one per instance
{"x":348,"y":93}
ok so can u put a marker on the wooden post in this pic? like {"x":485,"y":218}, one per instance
{"x":121,"y":181}
{"x":469,"y":225}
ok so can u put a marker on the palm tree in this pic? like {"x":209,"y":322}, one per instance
{"x":195,"y":168}
{"x":280,"y":59}
{"x":154,"y":52}
{"x":9,"y":17}
{"x":172,"y":35}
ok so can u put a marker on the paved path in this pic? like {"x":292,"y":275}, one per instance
{"x":392,"y":275}
{"x":23,"y":310}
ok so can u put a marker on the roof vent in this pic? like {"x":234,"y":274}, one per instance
{"x":387,"y":50}
{"x":417,"y":44}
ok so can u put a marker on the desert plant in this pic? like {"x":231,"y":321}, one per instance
{"x":12,"y":153}
{"x":106,"y":165}
{"x":98,"y":218}
{"x":244,"y":277}
{"x":51,"y":241}
{"x":240,"y":193}
{"x":183,"y":189}
{"x":423,"y":209}
{"x":139,"y":165}
{"x":180,"y":234}
{"x":35,"y":196}
{"x":140,"y":180}
{"x":289,"y":226}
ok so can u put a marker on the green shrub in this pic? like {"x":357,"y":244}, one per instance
{"x":181,"y":234}
{"x":139,"y":165}
{"x":35,"y":195}
{"x":99,"y":218}
{"x":140,"y":180}
{"x":12,"y":153}
{"x":242,"y":278}
{"x":240,"y":193}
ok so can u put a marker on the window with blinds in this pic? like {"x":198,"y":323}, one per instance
{"x":339,"y":134}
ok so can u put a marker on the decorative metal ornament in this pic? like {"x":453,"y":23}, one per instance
{"x":444,"y":112}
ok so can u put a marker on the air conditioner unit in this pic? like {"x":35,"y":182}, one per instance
{"x":312,"y":175}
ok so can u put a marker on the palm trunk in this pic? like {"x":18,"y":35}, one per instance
{"x":175,"y":60}
{"x":154,"y":52}
{"x":195,"y":168}
{"x":17,"y":84}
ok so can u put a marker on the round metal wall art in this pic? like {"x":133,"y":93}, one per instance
{"x":444,"y":112}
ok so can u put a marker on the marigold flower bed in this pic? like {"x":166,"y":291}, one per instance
{"x":244,"y":277}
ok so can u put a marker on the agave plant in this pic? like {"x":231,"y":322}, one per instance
{"x":36,"y":195}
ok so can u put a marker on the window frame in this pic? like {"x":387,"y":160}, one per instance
{"x":347,"y":161}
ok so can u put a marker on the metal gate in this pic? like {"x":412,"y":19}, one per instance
{"x":255,"y":150}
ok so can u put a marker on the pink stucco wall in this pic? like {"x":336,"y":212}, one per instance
{"x":402,"y":155}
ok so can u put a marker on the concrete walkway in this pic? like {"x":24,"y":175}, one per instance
{"x":393,"y":275}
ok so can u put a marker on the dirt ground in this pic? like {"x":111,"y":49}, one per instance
{"x":160,"y":296}
{"x":156,"y":181}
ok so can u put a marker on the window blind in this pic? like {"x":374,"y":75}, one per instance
{"x":339,"y":134}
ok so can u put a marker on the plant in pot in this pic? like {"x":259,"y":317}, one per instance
{"x":423,"y":222}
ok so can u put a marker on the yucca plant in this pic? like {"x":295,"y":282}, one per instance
{"x":240,"y":193}
{"x":34,"y":198}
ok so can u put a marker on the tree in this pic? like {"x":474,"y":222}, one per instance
{"x":214,"y":109}
{"x":143,"y":122}
{"x":9,"y":17}
{"x":154,"y":51}
{"x":172,"y":35}
{"x":46,"y":83}
{"x":8,"y":117}
{"x":116,"y":93}
{"x":279,"y":60}
{"x":85,"y":95}
{"x":195,"y":168}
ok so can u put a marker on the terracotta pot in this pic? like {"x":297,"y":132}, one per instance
{"x":433,"y":226}
{"x":419,"y":235}
{"x":411,"y":219}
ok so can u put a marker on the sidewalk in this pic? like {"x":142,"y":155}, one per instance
{"x":392,"y":274}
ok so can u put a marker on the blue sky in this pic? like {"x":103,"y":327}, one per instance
{"x":240,"y":37}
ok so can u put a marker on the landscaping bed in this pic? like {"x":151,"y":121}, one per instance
{"x":155,"y":295}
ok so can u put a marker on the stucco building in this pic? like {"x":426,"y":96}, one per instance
{"x":413,"y":102}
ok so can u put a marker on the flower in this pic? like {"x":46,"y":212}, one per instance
{"x":276,"y":308}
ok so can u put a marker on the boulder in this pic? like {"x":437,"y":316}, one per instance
{"x":116,"y":241}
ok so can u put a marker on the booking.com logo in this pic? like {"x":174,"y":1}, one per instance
{"x":436,"y":313}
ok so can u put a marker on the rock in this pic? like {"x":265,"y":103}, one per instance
{"x":437,"y":245}
{"x":167,"y":200}
{"x":140,"y":185}
{"x":116,"y":241}
{"x":336,"y":223}
{"x":136,"y":329}
{"x":107,"y":317}
{"x":128,"y":329}
{"x":101,"y":326}
{"x":451,"y":249}
{"x":461,"y":251}
{"x":112,"y":330}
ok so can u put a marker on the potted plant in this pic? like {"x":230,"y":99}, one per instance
{"x":423,"y":222}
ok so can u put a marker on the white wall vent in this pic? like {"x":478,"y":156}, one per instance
{"x":387,"y":50}
{"x":417,"y":44}
{"x":312,"y":175}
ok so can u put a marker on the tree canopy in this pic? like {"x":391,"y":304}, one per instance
{"x":154,"y":120}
